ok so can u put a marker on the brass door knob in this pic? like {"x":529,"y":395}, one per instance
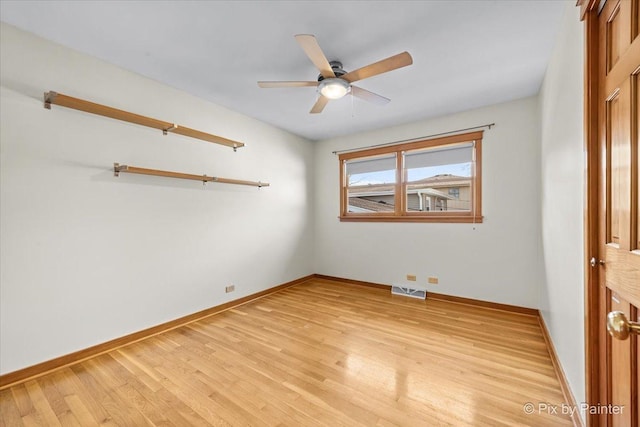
{"x":619,"y":327}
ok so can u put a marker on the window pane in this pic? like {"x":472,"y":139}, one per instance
{"x":370,"y":184}
{"x":439,"y":179}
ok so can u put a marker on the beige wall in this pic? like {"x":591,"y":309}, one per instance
{"x":87,"y":257}
{"x":562,"y":199}
{"x":498,"y":260}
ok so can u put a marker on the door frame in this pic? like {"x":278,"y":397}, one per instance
{"x":594,"y":358}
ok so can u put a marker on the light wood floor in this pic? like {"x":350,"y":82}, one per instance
{"x":317,"y":354}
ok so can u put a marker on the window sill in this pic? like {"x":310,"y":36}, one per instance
{"x":412,"y":218}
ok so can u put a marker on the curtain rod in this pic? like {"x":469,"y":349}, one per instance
{"x":488,"y":126}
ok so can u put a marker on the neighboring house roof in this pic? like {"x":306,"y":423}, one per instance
{"x":440,"y":180}
{"x":359,"y":203}
{"x":373,"y":193}
{"x":425,"y":185}
{"x":370,"y":205}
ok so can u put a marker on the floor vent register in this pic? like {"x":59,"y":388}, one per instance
{"x":412,"y":291}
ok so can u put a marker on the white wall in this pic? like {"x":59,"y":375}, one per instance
{"x":562,"y":155}
{"x":87,"y":257}
{"x":497,"y":261}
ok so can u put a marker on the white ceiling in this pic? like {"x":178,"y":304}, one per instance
{"x":466,"y":54}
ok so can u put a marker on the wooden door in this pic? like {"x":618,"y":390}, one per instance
{"x":618,"y":208}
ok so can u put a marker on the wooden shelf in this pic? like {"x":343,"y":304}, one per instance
{"x":118,"y":168}
{"x":114,"y":113}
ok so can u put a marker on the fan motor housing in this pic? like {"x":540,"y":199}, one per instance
{"x":336,"y":66}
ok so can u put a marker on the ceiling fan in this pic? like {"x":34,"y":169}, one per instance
{"x":334,"y":82}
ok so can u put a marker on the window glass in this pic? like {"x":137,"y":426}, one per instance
{"x":371,"y":184}
{"x":439,"y":179}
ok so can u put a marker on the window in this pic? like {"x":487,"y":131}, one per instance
{"x":435,"y":180}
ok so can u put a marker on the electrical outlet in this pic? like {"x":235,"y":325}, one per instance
{"x":411,"y":277}
{"x":230,"y":288}
{"x":433,"y":280}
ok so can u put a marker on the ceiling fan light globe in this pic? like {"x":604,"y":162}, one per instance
{"x":334,"y":88}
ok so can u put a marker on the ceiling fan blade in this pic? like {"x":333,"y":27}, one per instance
{"x":311,"y":47}
{"x":393,"y":62}
{"x":286,"y":84}
{"x":319,"y":105}
{"x":374,"y":98}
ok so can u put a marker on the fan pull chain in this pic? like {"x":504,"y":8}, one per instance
{"x":353,"y":114}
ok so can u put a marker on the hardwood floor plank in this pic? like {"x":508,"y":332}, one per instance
{"x":320,"y":353}
{"x":41,"y":404}
{"x":82,"y":398}
{"x":112,"y":409}
{"x":56,"y":400}
{"x":80,"y":411}
{"x":21,"y":398}
{"x":10,"y":415}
